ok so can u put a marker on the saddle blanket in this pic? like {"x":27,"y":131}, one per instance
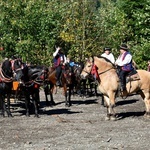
{"x":133,"y":76}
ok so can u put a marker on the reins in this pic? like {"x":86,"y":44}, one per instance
{"x":105,"y":71}
{"x":3,"y":78}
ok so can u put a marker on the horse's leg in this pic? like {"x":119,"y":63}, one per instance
{"x":102,"y":101}
{"x":65,"y":94}
{"x":51,"y":95}
{"x":2,"y":106}
{"x":36,"y":100}
{"x":69,"y":94}
{"x":8,"y":105}
{"x":146,"y":97}
{"x":27,"y":102}
{"x":46,"y":89}
{"x":96,"y":94}
{"x":110,"y":108}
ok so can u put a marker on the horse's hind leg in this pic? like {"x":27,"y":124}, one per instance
{"x":146,"y":97}
{"x":147,"y":105}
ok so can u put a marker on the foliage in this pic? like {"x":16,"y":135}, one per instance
{"x":32,"y":29}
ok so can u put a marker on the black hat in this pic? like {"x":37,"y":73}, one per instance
{"x":107,"y":49}
{"x":124,"y":47}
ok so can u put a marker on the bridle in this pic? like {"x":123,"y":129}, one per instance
{"x":39,"y":80}
{"x":99,"y":73}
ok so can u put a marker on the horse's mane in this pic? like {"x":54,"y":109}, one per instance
{"x":107,"y":60}
{"x":6,"y":67}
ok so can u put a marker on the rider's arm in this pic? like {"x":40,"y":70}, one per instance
{"x":126,"y":60}
{"x":56,"y":52}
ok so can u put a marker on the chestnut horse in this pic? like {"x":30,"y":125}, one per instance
{"x":66,"y":81}
{"x":108,"y":84}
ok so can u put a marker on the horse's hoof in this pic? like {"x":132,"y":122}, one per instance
{"x":113,"y":118}
{"x":36,"y":116}
{"x":107,"y":118}
{"x":53,"y":103}
{"x":67,"y":105}
{"x":27,"y":115}
{"x":10,"y":115}
{"x":147,"y":115}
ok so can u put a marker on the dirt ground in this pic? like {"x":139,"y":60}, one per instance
{"x":79,"y":127}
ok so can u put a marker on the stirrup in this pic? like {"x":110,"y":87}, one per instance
{"x":58,"y":83}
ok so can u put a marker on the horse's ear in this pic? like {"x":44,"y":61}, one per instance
{"x":91,"y":59}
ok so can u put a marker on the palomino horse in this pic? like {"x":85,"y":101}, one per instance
{"x":66,"y":81}
{"x":9,"y":71}
{"x":109,"y":84}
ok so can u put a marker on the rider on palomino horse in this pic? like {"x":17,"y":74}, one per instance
{"x":124,"y":64}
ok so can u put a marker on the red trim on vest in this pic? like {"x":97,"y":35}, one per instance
{"x":124,"y":55}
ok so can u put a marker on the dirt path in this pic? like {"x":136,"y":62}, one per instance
{"x":80,"y":127}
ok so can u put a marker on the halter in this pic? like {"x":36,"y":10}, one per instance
{"x":91,"y":63}
{"x":13,"y":67}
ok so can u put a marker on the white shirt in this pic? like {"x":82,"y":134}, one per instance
{"x":109,"y":57}
{"x":126,"y":60}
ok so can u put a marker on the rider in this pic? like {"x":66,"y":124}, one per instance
{"x":124,"y":64}
{"x":107,"y":54}
{"x":71,"y":62}
{"x":59,"y":61}
{"x":148,"y":67}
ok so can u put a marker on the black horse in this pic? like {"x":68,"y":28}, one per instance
{"x":83,"y":87}
{"x":10,"y":70}
{"x":33,"y":78}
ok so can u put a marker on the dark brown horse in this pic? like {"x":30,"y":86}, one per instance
{"x":109,"y":84}
{"x":66,"y":82}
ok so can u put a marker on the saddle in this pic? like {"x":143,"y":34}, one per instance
{"x":132,"y":76}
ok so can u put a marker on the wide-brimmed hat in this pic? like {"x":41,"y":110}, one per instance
{"x":107,"y":49}
{"x":124,"y":47}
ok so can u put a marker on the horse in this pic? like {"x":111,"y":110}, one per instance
{"x":108,"y":84}
{"x":66,"y":83}
{"x":83,"y":87}
{"x":79,"y":84}
{"x":33,"y":77}
{"x":10,"y":70}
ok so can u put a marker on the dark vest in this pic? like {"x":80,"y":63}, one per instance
{"x":127,"y":67}
{"x":57,"y":59}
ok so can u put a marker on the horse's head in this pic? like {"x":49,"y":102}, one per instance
{"x":37,"y":73}
{"x":6,"y":69}
{"x":86,"y":71}
{"x":68,"y":75}
{"x":17,"y":67}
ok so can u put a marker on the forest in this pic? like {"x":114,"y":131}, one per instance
{"x":32,"y":29}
